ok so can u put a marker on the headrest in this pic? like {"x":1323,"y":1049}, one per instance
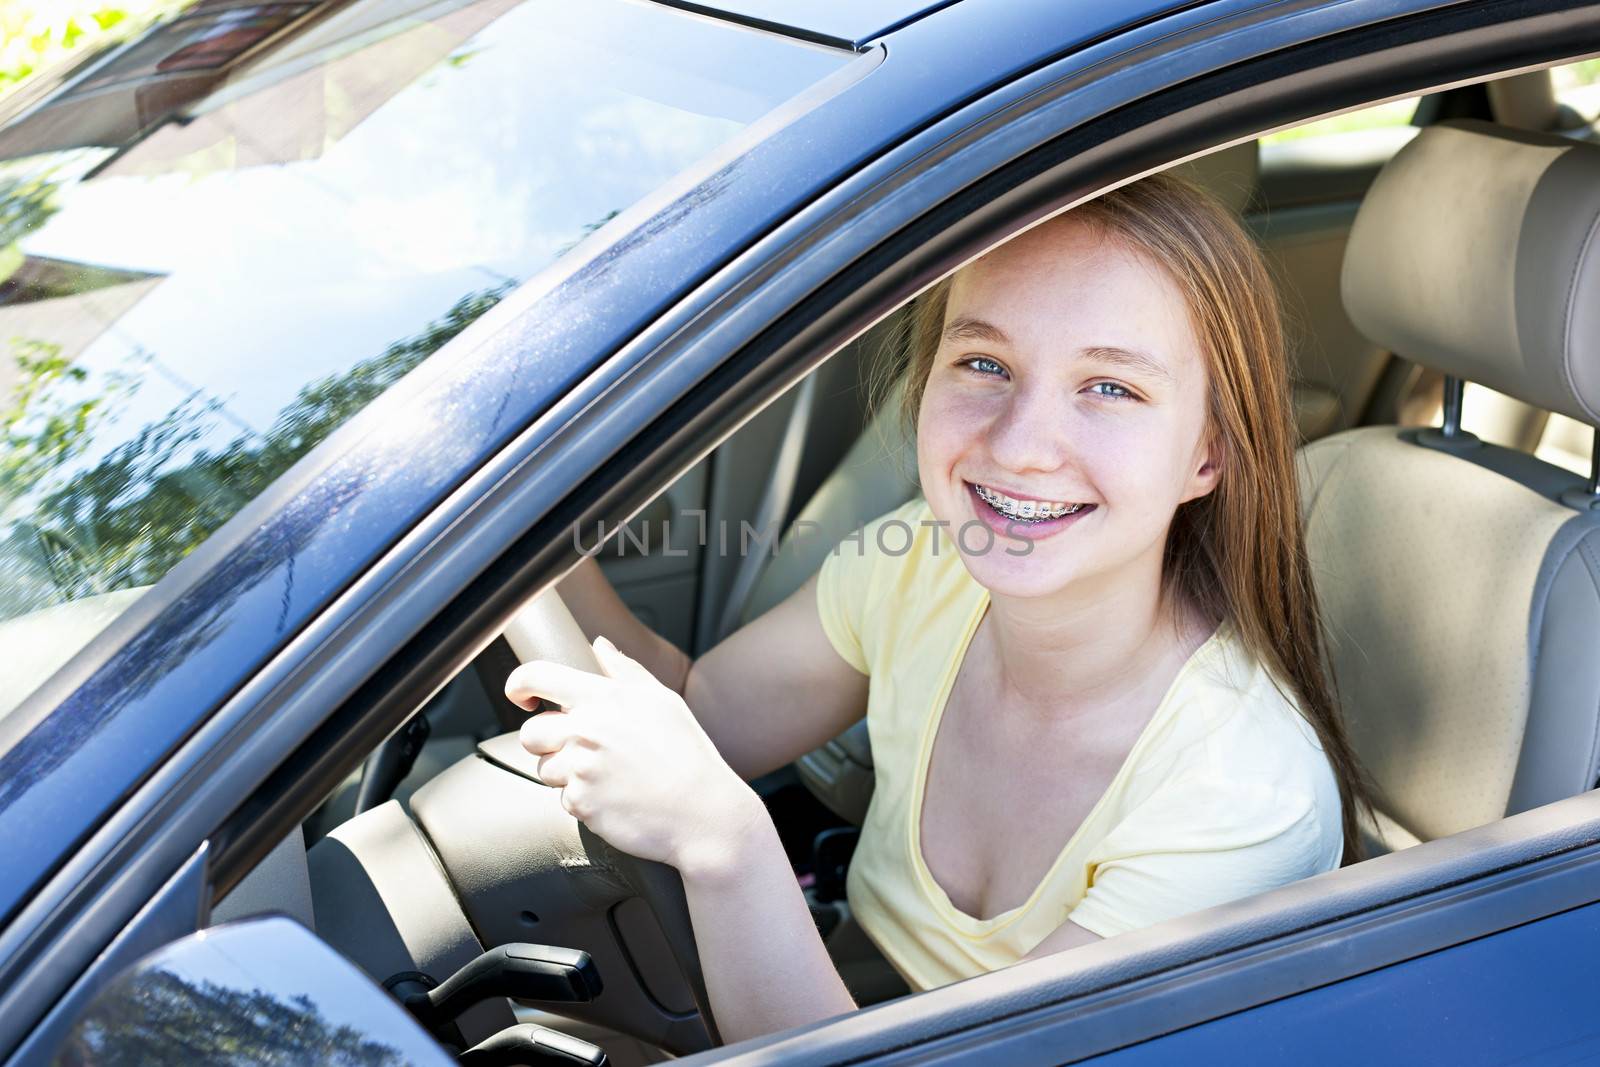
{"x":1474,"y":253}
{"x":1230,"y":174}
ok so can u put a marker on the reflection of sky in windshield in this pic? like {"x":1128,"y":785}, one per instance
{"x":330,"y":217}
{"x":483,"y":169}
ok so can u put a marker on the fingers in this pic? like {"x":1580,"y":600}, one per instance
{"x":554,"y":770}
{"x":617,"y":664}
{"x":554,"y":681}
{"x":563,"y":772}
{"x":546,"y":732}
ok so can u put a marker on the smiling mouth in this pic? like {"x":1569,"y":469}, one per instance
{"x":1027,"y":511}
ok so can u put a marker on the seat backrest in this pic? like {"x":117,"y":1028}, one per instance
{"x":1460,"y":581}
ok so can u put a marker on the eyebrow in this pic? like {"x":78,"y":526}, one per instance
{"x":968,"y":328}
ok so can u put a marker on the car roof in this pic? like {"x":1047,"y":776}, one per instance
{"x":846,"y":23}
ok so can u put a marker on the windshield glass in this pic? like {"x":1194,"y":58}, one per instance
{"x":211,"y":254}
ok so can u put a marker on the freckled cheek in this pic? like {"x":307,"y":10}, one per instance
{"x":1125,"y":463}
{"x":952,"y":423}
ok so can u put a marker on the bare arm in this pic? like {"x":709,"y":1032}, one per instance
{"x":765,"y":965}
{"x":1068,"y":935}
{"x":593,"y":601}
{"x":770,"y":692}
{"x":746,"y":895}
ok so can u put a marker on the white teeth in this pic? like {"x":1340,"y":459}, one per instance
{"x":1025,"y":510}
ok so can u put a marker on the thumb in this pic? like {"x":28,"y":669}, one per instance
{"x":618,"y":665}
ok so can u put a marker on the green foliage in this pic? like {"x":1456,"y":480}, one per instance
{"x":38,"y":34}
{"x":127,"y":520}
{"x":26,"y":201}
{"x":1584,"y":72}
{"x":167,"y":1019}
{"x":37,"y":442}
{"x":1393,"y":113}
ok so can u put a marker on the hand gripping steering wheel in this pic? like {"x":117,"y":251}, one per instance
{"x":545,"y":629}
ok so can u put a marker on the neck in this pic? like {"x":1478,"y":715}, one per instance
{"x":1088,"y":645}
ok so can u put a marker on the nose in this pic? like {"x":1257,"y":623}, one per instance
{"x":1031,"y":432}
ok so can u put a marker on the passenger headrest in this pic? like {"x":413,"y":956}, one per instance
{"x":1474,"y":253}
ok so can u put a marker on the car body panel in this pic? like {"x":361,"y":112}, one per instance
{"x":1477,"y":1002}
{"x":835,"y":22}
{"x":1477,"y":887}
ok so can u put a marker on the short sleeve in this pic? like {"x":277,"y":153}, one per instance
{"x":1195,"y":844}
{"x":842,"y":599}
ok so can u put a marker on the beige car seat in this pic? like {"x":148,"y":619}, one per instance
{"x":1461,"y":580}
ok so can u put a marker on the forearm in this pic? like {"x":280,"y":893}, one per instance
{"x":594,"y":603}
{"x":766,"y":968}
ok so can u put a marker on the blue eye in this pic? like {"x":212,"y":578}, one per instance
{"x":984,"y":365}
{"x":1120,"y":394}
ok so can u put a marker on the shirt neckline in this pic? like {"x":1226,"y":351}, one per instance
{"x":968,"y":924}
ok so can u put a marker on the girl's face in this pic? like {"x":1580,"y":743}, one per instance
{"x":1064,"y":418}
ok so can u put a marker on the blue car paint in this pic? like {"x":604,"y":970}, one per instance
{"x":841,"y":23}
{"x":1524,"y":996}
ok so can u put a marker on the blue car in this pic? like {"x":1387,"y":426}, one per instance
{"x":337,"y":331}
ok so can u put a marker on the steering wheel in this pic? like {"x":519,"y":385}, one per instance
{"x":545,"y":629}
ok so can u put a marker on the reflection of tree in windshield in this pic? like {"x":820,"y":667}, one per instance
{"x":147,"y":503}
{"x":25,"y":203}
{"x":165,"y":1019}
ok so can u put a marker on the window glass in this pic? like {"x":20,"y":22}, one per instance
{"x":212,"y":255}
{"x":1577,"y":85}
{"x":1394,"y":114}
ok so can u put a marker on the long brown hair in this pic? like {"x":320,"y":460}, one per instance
{"x":1239,"y":552}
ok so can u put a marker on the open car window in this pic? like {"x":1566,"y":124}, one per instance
{"x":211,"y":256}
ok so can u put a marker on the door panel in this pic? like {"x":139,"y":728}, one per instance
{"x":1523,"y":996}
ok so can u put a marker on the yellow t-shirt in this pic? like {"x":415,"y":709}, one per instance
{"x":1225,"y":793}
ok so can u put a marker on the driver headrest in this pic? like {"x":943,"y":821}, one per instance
{"x":1474,"y":253}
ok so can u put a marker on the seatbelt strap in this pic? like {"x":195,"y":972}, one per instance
{"x":774,"y":507}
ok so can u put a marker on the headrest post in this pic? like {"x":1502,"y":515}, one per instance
{"x":1453,"y":390}
{"x":1594,"y":463}
{"x":1587,"y":498}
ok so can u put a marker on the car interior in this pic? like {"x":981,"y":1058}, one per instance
{"x":1447,"y":485}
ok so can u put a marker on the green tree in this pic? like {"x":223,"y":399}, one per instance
{"x":158,"y":1017}
{"x":132,"y":516}
{"x":36,"y":35}
{"x":128,"y":519}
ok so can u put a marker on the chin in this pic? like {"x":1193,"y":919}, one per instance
{"x":1018,"y":577}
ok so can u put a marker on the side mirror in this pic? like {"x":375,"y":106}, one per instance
{"x":264,"y":991}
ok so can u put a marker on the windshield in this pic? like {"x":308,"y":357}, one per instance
{"x":211,"y":256}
